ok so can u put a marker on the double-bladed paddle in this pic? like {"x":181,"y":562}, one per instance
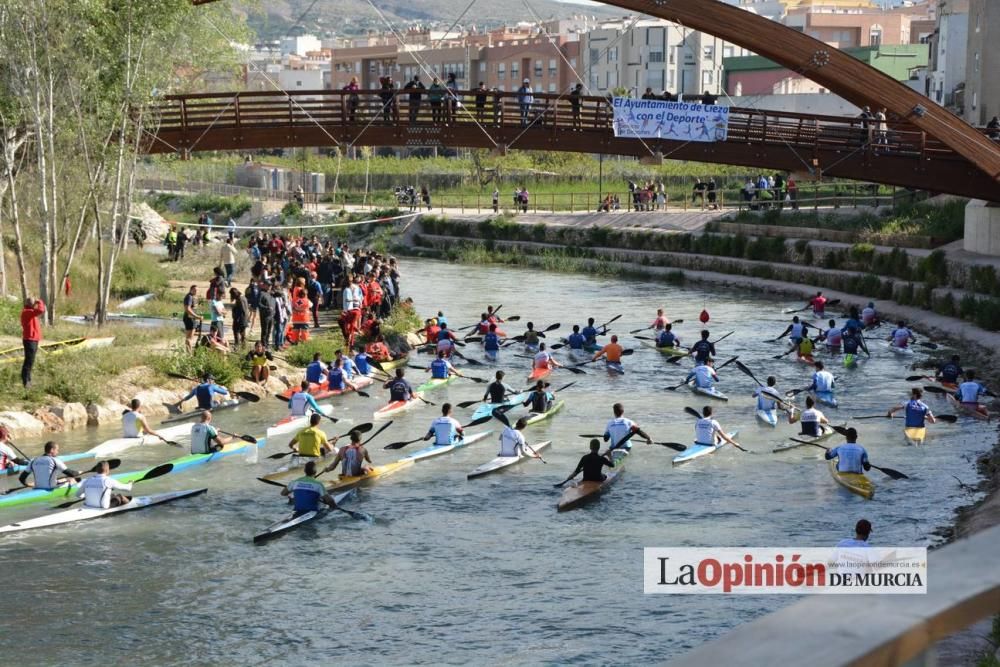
{"x":697,"y":415}
{"x":320,"y":413}
{"x":951,"y":419}
{"x":360,"y":428}
{"x":158,"y":471}
{"x":360,"y":516}
{"x":502,"y":418}
{"x":245,"y":438}
{"x":672,"y":445}
{"x":614,"y":447}
{"x":474,"y":422}
{"x":895,"y":474}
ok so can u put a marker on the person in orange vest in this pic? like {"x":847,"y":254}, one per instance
{"x":300,"y":316}
{"x":378,"y":350}
{"x":431,"y":330}
{"x":373,"y":294}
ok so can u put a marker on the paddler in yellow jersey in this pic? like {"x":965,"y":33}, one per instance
{"x":311,"y":442}
{"x":805,"y":348}
{"x":259,"y":357}
{"x":612,"y":352}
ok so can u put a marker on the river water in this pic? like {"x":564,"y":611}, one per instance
{"x":484,"y":571}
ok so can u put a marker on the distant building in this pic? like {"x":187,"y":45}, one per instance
{"x":847,"y":25}
{"x":982,"y":67}
{"x":300,"y":45}
{"x":948,"y":42}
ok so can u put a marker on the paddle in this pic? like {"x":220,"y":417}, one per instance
{"x":468,"y":360}
{"x":360,"y":516}
{"x":360,"y":428}
{"x":605,"y":325}
{"x":951,"y":419}
{"x":651,"y":326}
{"x":676,"y":446}
{"x":421,"y":398}
{"x":614,"y":447}
{"x":726,"y":363}
{"x":895,"y":474}
{"x":247,"y":396}
{"x":697,"y":415}
{"x":918,"y":378}
{"x":676,"y":387}
{"x":936,"y":390}
{"x":625,"y":353}
{"x":400,"y":445}
{"x":502,"y":418}
{"x":158,"y":471}
{"x":743,"y":367}
{"x":928,"y":345}
{"x":245,"y":438}
{"x":320,"y":413}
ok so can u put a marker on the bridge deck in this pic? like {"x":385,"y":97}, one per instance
{"x":829,"y":145}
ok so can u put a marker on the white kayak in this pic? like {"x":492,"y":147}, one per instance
{"x":228,"y":404}
{"x":901,"y":351}
{"x":697,"y":450}
{"x":292,"y":521}
{"x":84,"y":513}
{"x":769,"y":417}
{"x":711,"y":392}
{"x":438,"y":450}
{"x":827,"y":398}
{"x":828,"y":430}
{"x":501,"y":462}
{"x":116,"y":445}
{"x":290,"y":424}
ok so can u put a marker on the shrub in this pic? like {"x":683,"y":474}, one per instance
{"x":225,"y":368}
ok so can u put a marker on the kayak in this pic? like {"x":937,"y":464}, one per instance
{"x":666,"y":351}
{"x":785,"y":446}
{"x":320,"y":391}
{"x":393,"y":364}
{"x":769,"y":417}
{"x":434,"y":383}
{"x":583,"y":492}
{"x":135,"y":301}
{"x":711,"y":392}
{"x":950,"y":386}
{"x":901,"y":351}
{"x":85,"y":513}
{"x":291,"y":424}
{"x":853,"y":360}
{"x":915,"y":435}
{"x":501,"y":462}
{"x":614,"y":368}
{"x":296,"y":466}
{"x":291,"y":522}
{"x":373,"y":474}
{"x":697,"y":450}
{"x":14,"y":354}
{"x":807,"y":359}
{"x":854,"y":482}
{"x":539,"y":374}
{"x":116,"y":445}
{"x":535,"y":417}
{"x":968,"y":408}
{"x":395,"y":407}
{"x":230,"y":404}
{"x":89,"y":454}
{"x":486,"y":409}
{"x":66,"y":491}
{"x":438,"y":450}
{"x":826,"y":398}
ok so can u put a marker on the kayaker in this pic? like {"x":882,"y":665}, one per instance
{"x":901,"y":337}
{"x":668,"y":338}
{"x":98,"y":491}
{"x":311,"y":442}
{"x":968,"y":394}
{"x":259,"y":358}
{"x":822,"y":380}
{"x":363,"y":362}
{"x":378,"y":350}
{"x":345,"y":363}
{"x":660,"y":322}
{"x":445,"y":340}
{"x":576,"y":340}
{"x":512,"y":442}
{"x":8,"y":456}
{"x":46,"y":469}
{"x":951,"y":371}
{"x":399,"y":388}
{"x":539,"y":398}
{"x":492,"y":317}
{"x":851,"y":457}
{"x":916,"y":410}
{"x":619,"y":431}
{"x":337,"y":379}
{"x":307,"y":492}
{"x":708,"y":431}
{"x":834,"y":338}
{"x":496,"y":391}
{"x":301,"y":402}
{"x":483,"y":327}
{"x":811,"y":419}
{"x":431,"y":330}
{"x":442,"y":321}
{"x":134,"y":423}
{"x":804,"y":349}
{"x":491,"y":343}
{"x":862,"y":529}
{"x":206,"y":391}
{"x":853,"y":321}
{"x":768,"y":397}
{"x":441,"y":368}
{"x":316,"y":371}
{"x":531,"y":338}
{"x":445,"y":429}
{"x":543,"y":359}
{"x":869,"y":317}
{"x":818,"y":304}
{"x":852,"y":340}
{"x":592,"y":464}
{"x":203,"y":434}
{"x":612,"y":352}
{"x":352,"y":458}
{"x":795,"y":331}
{"x":590,"y":332}
{"x":704,"y":375}
{"x":704,"y":349}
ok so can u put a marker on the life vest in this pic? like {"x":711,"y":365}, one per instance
{"x":300,"y":310}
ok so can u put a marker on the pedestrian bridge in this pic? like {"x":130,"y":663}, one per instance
{"x":760,"y":140}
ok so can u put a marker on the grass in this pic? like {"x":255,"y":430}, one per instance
{"x":179,"y":363}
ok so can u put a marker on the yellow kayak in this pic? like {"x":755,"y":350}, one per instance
{"x":854,"y":482}
{"x":914,"y":435}
{"x":376,"y":472}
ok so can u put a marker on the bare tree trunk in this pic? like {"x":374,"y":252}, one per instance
{"x":18,"y":241}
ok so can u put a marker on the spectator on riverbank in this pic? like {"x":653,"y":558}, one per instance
{"x":31,"y":335}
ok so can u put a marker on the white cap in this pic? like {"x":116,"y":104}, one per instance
{"x":527,"y":81}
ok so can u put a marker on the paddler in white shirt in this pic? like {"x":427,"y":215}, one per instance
{"x":302,"y":401}
{"x":811,"y":419}
{"x":8,"y":455}
{"x":99,"y":491}
{"x":203,"y":434}
{"x":704,"y":376}
{"x":619,"y":431}
{"x":708,"y":431}
{"x":46,"y":469}
{"x":134,"y":424}
{"x":445,"y":429}
{"x":512,"y":442}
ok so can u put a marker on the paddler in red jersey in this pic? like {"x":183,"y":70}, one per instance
{"x":378,"y":350}
{"x":818,"y":304}
{"x":431,"y":330}
{"x":660,"y":322}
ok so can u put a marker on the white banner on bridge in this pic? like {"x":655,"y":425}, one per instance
{"x":678,"y":121}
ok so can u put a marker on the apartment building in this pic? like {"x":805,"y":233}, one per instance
{"x":948,"y":43}
{"x":982,"y":65}
{"x":844,"y":26}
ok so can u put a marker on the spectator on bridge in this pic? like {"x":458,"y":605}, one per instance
{"x":414,"y":85}
{"x":525,"y":98}
{"x":881,"y":128}
{"x":866,"y":125}
{"x":497,"y":106}
{"x":451,"y":101}
{"x":698,"y":192}
{"x":353,"y":100}
{"x":711,"y":188}
{"x":779,"y":189}
{"x":481,"y":95}
{"x":425,"y":196}
{"x":387,"y":95}
{"x":649,"y":94}
{"x":435,"y":95}
{"x":496,"y":200}
{"x":574,"y":102}
{"x":993,"y":128}
{"x":793,"y":192}
{"x":749,"y":191}
{"x":708,"y":98}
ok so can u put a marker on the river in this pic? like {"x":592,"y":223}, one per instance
{"x":484,"y":571}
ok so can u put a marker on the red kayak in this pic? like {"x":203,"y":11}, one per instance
{"x":539,"y":374}
{"x":321,"y":391}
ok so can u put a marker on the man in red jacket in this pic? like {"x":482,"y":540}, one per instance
{"x":31,"y":334}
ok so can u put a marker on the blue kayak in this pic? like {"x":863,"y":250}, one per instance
{"x":486,"y":409}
